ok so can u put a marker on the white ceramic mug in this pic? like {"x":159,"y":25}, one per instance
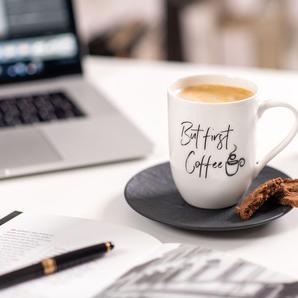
{"x":213,"y":145}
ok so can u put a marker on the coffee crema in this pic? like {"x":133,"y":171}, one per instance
{"x":213,"y":93}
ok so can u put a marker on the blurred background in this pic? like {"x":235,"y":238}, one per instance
{"x":261,"y":33}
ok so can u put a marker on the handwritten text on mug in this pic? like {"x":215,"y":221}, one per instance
{"x":198,"y":137}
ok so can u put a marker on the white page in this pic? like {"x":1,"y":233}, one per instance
{"x":30,"y":237}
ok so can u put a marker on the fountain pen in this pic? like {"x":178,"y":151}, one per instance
{"x":55,"y":264}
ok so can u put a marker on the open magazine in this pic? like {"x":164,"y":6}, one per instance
{"x":187,"y":271}
{"x":139,"y":266}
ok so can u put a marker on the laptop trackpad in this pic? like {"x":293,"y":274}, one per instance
{"x":25,"y":147}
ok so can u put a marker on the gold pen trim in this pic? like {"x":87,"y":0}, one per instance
{"x":108,"y":246}
{"x":49,"y":266}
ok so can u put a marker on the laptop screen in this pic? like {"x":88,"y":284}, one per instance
{"x":37,"y":40}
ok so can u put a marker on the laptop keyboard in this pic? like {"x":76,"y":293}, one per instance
{"x":36,"y":108}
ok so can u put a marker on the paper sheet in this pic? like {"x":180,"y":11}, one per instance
{"x":186,"y":271}
{"x":30,"y":237}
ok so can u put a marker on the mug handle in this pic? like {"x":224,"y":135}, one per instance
{"x":262,"y":108}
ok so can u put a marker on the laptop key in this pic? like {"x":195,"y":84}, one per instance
{"x":29,"y":119}
{"x":46,"y":115}
{"x":5,"y":105}
{"x":42,"y":107}
{"x":10,"y":120}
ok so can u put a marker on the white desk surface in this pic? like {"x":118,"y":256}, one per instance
{"x":138,"y":88}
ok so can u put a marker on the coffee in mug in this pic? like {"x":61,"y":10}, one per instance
{"x":214,"y":93}
{"x":212,"y":138}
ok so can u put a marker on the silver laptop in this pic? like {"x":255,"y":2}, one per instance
{"x":51,"y":118}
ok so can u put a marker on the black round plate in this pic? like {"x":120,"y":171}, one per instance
{"x":153,"y":194}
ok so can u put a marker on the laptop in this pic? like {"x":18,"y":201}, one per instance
{"x":51,"y":118}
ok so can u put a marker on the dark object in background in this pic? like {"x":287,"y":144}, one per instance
{"x":119,"y":41}
{"x":174,"y":49}
{"x":173,"y":39}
